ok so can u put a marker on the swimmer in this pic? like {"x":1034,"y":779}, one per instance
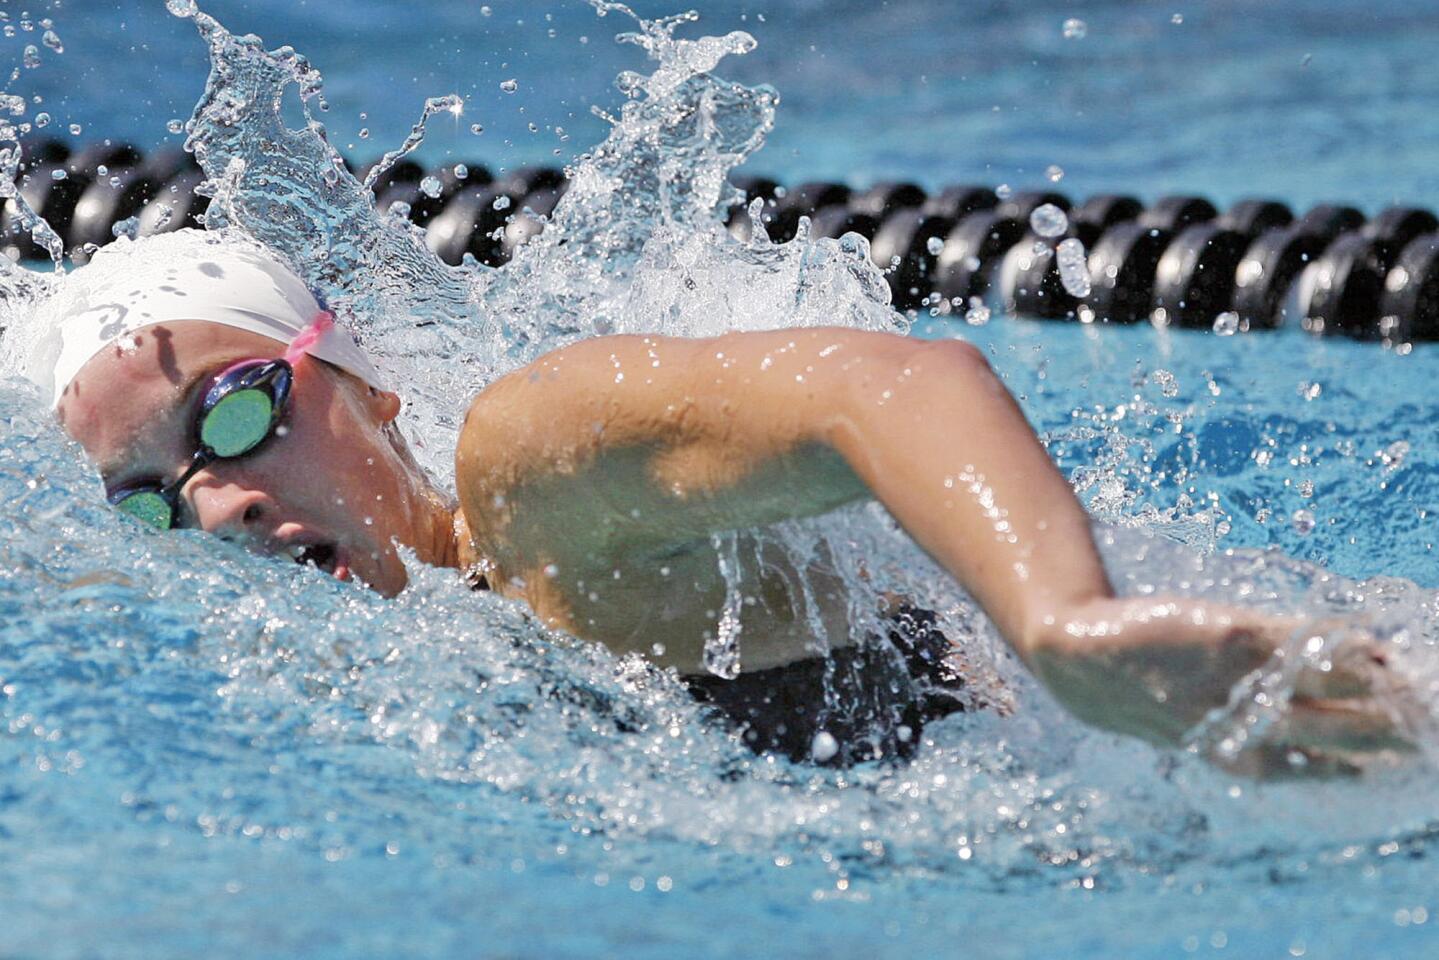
{"x":214,"y":392}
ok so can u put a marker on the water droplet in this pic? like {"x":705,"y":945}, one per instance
{"x":509,"y":86}
{"x":182,"y":8}
{"x":1004,"y":191}
{"x":823,"y":747}
{"x":534,"y":128}
{"x":1303,"y":522}
{"x":476,"y":129}
{"x":400,"y":210}
{"x":978,"y":314}
{"x":175,"y":126}
{"x":76,"y":129}
{"x":431,"y":187}
{"x":1073,"y":270}
{"x":1393,"y":455}
{"x":102,"y":171}
{"x":31,"y":57}
{"x":461,"y":171}
{"x":57,"y":174}
{"x":364,"y":133}
{"x":52,"y":40}
{"x":485,"y":11}
{"x":1054,"y":172}
{"x":1177,"y":19}
{"x":1075,"y":29}
{"x":129,"y":227}
{"x":42,"y":119}
{"x":1226,"y":324}
{"x":1048,"y":220}
{"x":934,"y":245}
{"x":502,"y":202}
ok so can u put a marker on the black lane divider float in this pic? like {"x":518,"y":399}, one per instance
{"x":1179,"y":261}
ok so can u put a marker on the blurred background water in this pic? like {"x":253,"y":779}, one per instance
{"x":203,"y":751}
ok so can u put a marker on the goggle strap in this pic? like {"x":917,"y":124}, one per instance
{"x":309,"y":336}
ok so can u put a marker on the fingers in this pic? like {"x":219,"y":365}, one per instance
{"x":1347,"y":682}
{"x":1339,"y":719}
{"x":1356,"y":666}
{"x":1355,"y":725}
{"x":1321,"y":739}
{"x":1272,"y":761}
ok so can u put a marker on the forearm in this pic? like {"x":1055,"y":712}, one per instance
{"x":936,"y":437}
{"x":941,"y":443}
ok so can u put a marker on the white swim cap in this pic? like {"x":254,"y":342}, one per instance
{"x":185,"y":275}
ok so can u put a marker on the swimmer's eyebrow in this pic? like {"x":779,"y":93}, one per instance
{"x":188,"y":398}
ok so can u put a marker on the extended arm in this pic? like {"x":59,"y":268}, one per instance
{"x":620,"y":446}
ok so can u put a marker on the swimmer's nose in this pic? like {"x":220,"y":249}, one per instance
{"x":233,"y":511}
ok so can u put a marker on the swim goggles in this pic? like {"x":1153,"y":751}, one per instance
{"x":242,"y":409}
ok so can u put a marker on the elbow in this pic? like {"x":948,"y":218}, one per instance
{"x":955,"y":357}
{"x":942,"y":365}
{"x":888,"y":376}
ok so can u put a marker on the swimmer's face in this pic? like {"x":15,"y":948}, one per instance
{"x":333,"y":482}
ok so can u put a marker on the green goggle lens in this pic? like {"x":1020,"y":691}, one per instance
{"x":239,"y":412}
{"x":147,"y":506}
{"x":238,"y":423}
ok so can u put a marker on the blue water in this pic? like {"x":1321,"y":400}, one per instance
{"x":1324,"y":101}
{"x":207,"y":752}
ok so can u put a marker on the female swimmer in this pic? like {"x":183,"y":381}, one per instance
{"x":590,"y":483}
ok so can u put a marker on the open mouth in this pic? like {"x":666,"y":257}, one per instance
{"x":325,"y":556}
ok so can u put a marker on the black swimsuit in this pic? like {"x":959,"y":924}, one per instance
{"x":873,"y":698}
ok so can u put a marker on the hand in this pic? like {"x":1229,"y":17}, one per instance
{"x":1159,"y":670}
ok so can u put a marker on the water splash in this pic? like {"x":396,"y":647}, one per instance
{"x":451,"y":104}
{"x":256,"y":666}
{"x":721,"y":650}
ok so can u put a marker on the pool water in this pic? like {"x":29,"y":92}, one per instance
{"x":206,"y":751}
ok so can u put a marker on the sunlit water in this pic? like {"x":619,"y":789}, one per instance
{"x":206,"y":751}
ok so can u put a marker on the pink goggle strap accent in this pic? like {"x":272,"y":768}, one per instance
{"x":305,"y":339}
{"x":308,"y":337}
